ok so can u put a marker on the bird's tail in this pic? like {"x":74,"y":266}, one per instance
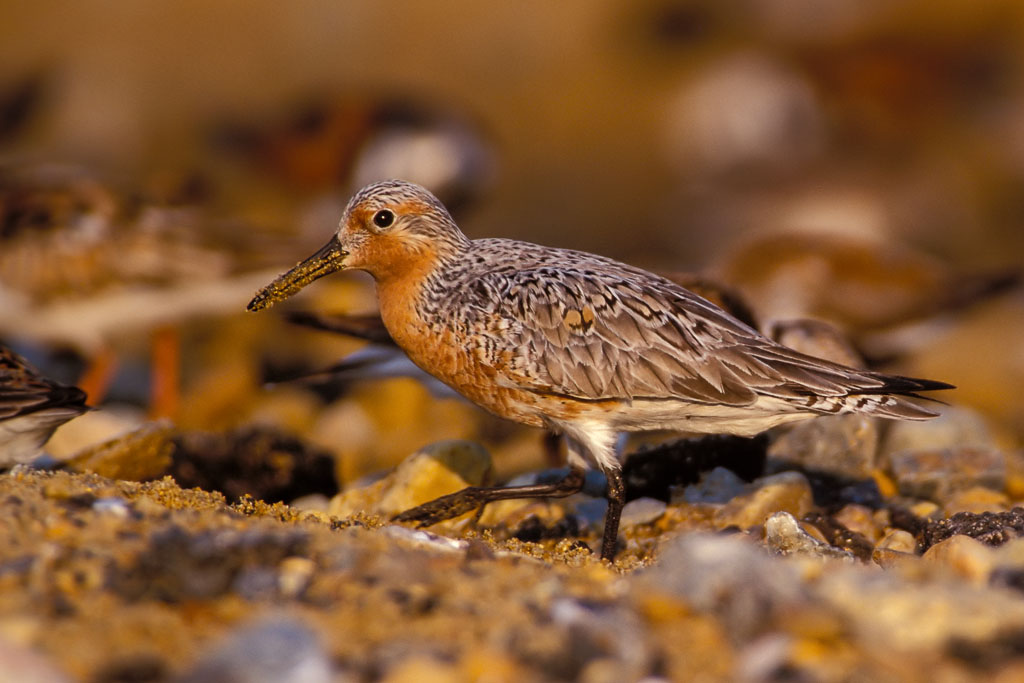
{"x":896,"y":398}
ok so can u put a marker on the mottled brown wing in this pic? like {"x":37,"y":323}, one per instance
{"x":23,"y":391}
{"x":605,"y":335}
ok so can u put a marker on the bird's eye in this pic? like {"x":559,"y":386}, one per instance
{"x":383,"y":218}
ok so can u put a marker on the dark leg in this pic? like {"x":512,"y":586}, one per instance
{"x":473,"y":497}
{"x":616,"y":499}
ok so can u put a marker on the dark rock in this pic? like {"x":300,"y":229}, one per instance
{"x":133,"y":669}
{"x":180,"y":565}
{"x":841,"y":537}
{"x":534,"y":530}
{"x":992,"y":528}
{"x":990,"y":653}
{"x":262,"y":463}
{"x":652,"y":472}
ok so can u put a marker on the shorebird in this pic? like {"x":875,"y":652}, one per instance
{"x":577,"y":343}
{"x":31,"y":408}
{"x":95,"y":265}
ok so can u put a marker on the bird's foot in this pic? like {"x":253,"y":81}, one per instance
{"x":446,"y":507}
{"x":475,"y":497}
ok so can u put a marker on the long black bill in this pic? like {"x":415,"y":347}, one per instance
{"x":330,"y":258}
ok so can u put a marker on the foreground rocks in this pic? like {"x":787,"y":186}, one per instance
{"x":107,"y":580}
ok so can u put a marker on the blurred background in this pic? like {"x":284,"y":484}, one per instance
{"x":860,"y":162}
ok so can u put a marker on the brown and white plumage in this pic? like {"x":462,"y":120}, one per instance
{"x":31,"y":408}
{"x":576,"y":342}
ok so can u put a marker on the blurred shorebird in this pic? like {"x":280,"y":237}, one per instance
{"x":91,"y":265}
{"x":31,"y":408}
{"x":578,"y":343}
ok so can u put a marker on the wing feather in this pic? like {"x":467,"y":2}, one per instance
{"x":608,"y":331}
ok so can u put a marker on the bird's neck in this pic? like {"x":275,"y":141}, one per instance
{"x":402,"y":292}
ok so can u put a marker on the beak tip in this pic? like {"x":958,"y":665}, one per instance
{"x":327,"y":260}
{"x":258,"y":303}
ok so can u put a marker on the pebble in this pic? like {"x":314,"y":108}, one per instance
{"x":425,"y":539}
{"x":784,"y":535}
{"x":936,"y":473}
{"x":606,"y":634}
{"x":968,"y":558}
{"x":114,"y":506}
{"x":786,"y":491}
{"x":860,"y":519}
{"x":957,"y":426}
{"x":925,"y":509}
{"x":898,"y":540}
{"x":891,"y":612}
{"x":730,"y":577}
{"x":139,"y":455}
{"x":22,"y":664}
{"x":421,"y":669}
{"x":436,"y":470}
{"x":294,"y":575}
{"x":887,"y":558}
{"x":312,"y":502}
{"x":976,"y":499}
{"x":719,"y":485}
{"x":642,"y":511}
{"x":844,"y":445}
{"x":591,"y":512}
{"x":275,"y":651}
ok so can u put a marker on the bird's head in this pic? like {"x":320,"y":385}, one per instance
{"x":390,"y":229}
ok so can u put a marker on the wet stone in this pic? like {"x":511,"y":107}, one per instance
{"x":783,"y":535}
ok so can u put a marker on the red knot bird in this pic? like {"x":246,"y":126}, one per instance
{"x":577,"y":343}
{"x":31,"y":408}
